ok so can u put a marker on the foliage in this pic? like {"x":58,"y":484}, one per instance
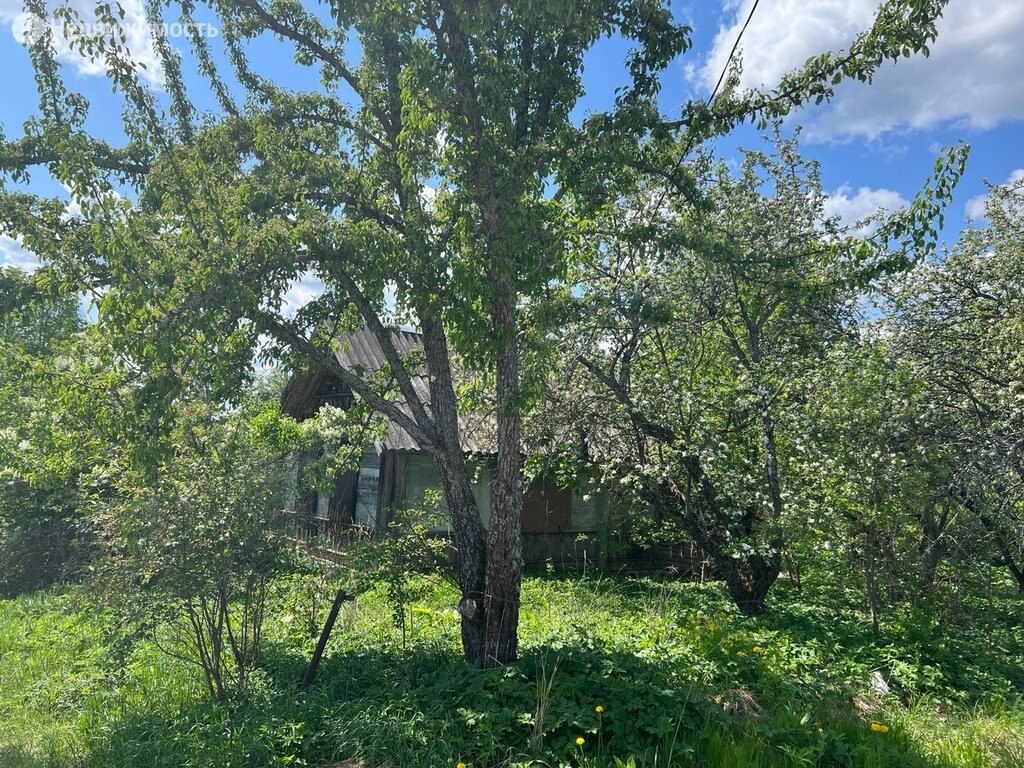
{"x":402,"y":559}
{"x":679,"y":676}
{"x":192,"y":542}
{"x":434,"y":175}
{"x":877,"y":473}
{"x":696,"y":333}
{"x":412,"y":182}
{"x":957,"y":321}
{"x":55,"y":410}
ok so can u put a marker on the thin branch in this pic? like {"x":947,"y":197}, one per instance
{"x":291,"y":338}
{"x":316,"y":47}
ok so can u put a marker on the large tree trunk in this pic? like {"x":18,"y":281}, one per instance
{"x":504,"y":535}
{"x":468,"y":533}
{"x":489,"y":563}
{"x":470,"y":542}
{"x":748,"y":580}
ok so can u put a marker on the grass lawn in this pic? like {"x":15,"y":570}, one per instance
{"x":680,"y":679}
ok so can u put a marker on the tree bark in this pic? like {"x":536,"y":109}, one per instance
{"x":931,"y":545}
{"x":504,"y":535}
{"x":471,"y":550}
{"x":468,"y":533}
{"x":771,"y":463}
{"x":871,"y":578}
{"x":749,"y":579}
{"x":1006,"y":557}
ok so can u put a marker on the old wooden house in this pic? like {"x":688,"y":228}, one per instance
{"x":561,"y":526}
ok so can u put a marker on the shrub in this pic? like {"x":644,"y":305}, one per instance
{"x":408,"y":549}
{"x":195,"y":539}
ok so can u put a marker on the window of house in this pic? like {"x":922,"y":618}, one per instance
{"x":323,"y":503}
{"x":547,"y":509}
{"x":367,"y":489}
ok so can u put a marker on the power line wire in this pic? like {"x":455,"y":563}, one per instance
{"x":732,"y":53}
{"x":711,"y":98}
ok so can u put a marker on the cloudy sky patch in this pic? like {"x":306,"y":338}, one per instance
{"x":24,"y":27}
{"x":973,"y":75}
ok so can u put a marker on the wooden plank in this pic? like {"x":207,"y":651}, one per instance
{"x":314,"y":663}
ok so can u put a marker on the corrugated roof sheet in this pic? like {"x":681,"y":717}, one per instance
{"x":360,"y":349}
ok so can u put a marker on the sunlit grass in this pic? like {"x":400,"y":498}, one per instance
{"x":680,"y":679}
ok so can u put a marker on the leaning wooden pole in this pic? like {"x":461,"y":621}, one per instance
{"x":325,"y":635}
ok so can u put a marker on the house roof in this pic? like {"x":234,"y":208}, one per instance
{"x":360,"y":351}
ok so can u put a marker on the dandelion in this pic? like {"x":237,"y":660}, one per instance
{"x":599,"y":709}
{"x":740,"y":653}
{"x":879,"y":727}
{"x":757,"y":649}
{"x":461,"y":764}
{"x":579,"y":741}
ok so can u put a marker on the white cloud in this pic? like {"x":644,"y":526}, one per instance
{"x":428,"y":195}
{"x":14,"y":254}
{"x":783,"y":35}
{"x":972,"y":75}
{"x":306,"y":288}
{"x":975,"y":207}
{"x":137,"y":37}
{"x":854,"y":207}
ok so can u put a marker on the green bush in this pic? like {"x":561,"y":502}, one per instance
{"x":193,"y":542}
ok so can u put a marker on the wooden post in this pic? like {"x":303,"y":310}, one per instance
{"x":314,"y":663}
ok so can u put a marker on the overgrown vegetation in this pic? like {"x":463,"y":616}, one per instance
{"x":613,"y":304}
{"x":645,"y":672}
{"x":194,"y":541}
{"x":436,"y":173}
{"x":46,"y":454}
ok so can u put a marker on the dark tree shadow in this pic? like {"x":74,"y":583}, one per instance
{"x":426,"y":707}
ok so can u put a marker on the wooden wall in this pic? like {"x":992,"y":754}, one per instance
{"x":362,"y":505}
{"x":575,"y":551}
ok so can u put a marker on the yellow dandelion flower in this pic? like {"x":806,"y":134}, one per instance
{"x":580,"y":740}
{"x":879,"y":727}
{"x":757,"y":649}
{"x":461,"y":765}
{"x":740,"y":653}
{"x":599,"y":709}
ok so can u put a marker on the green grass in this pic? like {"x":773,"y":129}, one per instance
{"x":681,"y":678}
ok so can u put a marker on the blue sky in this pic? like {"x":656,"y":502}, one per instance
{"x":876,"y":143}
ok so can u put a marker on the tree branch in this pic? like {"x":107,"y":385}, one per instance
{"x":26,"y":152}
{"x":275,"y":24}
{"x":291,"y":338}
